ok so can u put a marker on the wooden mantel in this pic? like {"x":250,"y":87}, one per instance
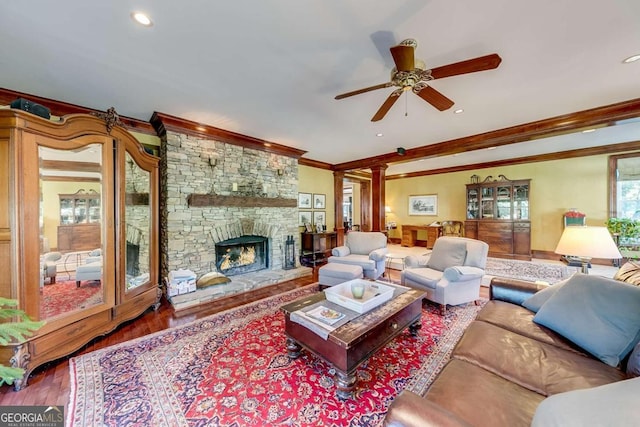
{"x":201,"y":200}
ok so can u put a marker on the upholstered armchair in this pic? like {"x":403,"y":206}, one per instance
{"x":366,"y":249}
{"x":451,"y":274}
{"x":49,"y":265}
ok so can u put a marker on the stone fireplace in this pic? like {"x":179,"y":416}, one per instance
{"x":218,"y":199}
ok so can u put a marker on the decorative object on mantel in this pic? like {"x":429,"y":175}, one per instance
{"x":111,"y":118}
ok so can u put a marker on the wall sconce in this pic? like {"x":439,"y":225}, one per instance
{"x":213,"y":161}
{"x":280,"y":172}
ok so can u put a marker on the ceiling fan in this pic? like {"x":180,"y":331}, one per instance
{"x":411,"y":74}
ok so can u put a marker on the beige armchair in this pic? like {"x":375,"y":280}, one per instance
{"x":451,"y":274}
{"x":366,"y":249}
{"x":50,"y":266}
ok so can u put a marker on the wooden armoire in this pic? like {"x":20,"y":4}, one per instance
{"x":40,"y":160}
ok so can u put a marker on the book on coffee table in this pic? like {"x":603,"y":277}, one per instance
{"x":325,"y":314}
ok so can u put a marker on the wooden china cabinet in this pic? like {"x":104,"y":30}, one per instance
{"x":40,"y":160}
{"x":498,"y":213}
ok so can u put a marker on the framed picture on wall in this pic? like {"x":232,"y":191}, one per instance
{"x":319,"y":218}
{"x":304,"y":217}
{"x":319,"y":201}
{"x":423,"y":205}
{"x":304,"y":200}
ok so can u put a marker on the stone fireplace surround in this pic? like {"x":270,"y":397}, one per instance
{"x":189,"y":231}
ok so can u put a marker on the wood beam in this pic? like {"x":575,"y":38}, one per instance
{"x":378,"y":196}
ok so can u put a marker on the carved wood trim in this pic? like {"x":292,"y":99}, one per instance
{"x":164,"y":122}
{"x":59,"y":108}
{"x":561,"y":155}
{"x":202,"y":200}
{"x":315,"y":164}
{"x":542,"y":128}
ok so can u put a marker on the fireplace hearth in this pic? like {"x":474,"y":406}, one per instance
{"x":242,"y":255}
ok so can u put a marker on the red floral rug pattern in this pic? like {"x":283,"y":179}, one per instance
{"x":64,"y":297}
{"x":232,"y":369}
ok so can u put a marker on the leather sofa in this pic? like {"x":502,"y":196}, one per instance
{"x":507,"y":370}
{"x":367,"y":249}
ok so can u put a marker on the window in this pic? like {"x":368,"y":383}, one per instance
{"x":624,"y":186}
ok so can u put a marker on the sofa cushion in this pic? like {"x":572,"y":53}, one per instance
{"x":467,"y":391}
{"x":362,"y":243}
{"x":629,"y":273}
{"x":598,"y":314}
{"x":424,"y":276}
{"x":535,"y":301}
{"x":340,"y":251}
{"x":520,"y":320}
{"x":633,"y":364}
{"x":354,"y":259}
{"x":447,"y":253}
{"x":608,"y":405}
{"x":537,"y":366}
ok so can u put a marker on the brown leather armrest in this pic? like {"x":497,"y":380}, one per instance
{"x":514,"y":291}
{"x":409,"y":410}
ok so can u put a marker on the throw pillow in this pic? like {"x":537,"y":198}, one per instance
{"x":596,"y":313}
{"x":629,"y":273}
{"x":535,"y":301}
{"x":447,"y":253}
{"x":612,"y":404}
{"x":212,"y":278}
{"x":340,"y":251}
{"x":633,"y":364}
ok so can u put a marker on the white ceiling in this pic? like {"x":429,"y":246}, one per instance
{"x":271,"y":68}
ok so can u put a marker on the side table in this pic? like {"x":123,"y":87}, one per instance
{"x":390,"y":259}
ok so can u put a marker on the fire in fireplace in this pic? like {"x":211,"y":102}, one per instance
{"x":242,"y":255}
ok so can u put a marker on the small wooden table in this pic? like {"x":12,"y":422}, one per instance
{"x":351,"y":344}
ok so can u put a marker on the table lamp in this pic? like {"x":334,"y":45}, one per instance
{"x":587,"y":242}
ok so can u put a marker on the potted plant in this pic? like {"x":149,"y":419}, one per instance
{"x":625,"y":231}
{"x":11,"y":331}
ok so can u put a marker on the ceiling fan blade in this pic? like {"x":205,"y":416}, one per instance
{"x":482,"y":63}
{"x":403,"y":56}
{"x":433,"y":97}
{"x":386,"y":106}
{"x":366,"y":89}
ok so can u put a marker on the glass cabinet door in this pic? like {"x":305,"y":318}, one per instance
{"x":503,"y":202}
{"x":487,"y":202}
{"x":521,"y":201}
{"x":472,"y":203}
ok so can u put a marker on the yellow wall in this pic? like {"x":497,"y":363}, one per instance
{"x":319,"y":181}
{"x":556,"y":186}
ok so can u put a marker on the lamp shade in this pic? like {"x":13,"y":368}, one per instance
{"x":592,"y":242}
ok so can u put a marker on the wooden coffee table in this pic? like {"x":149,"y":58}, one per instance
{"x":351,"y":344}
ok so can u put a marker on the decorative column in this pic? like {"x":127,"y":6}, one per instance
{"x":338,"y":200}
{"x":378,"y":197}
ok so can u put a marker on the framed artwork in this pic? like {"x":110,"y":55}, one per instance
{"x":304,"y":217}
{"x":319,"y":218}
{"x":304,"y":200}
{"x":319,"y":201}
{"x":423,"y":205}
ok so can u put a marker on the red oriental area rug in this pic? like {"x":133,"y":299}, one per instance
{"x":232,"y":369}
{"x":64,"y":297}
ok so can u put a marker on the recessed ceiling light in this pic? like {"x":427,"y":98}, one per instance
{"x":631,"y":59}
{"x":379,"y":135}
{"x":588,"y":130}
{"x":141,"y":18}
{"x":458,"y":111}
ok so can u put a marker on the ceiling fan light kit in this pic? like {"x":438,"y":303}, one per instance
{"x":411,"y":74}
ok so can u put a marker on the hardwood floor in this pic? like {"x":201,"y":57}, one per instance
{"x":50,"y":383}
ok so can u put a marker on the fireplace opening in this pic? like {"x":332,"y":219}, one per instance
{"x":242,"y":255}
